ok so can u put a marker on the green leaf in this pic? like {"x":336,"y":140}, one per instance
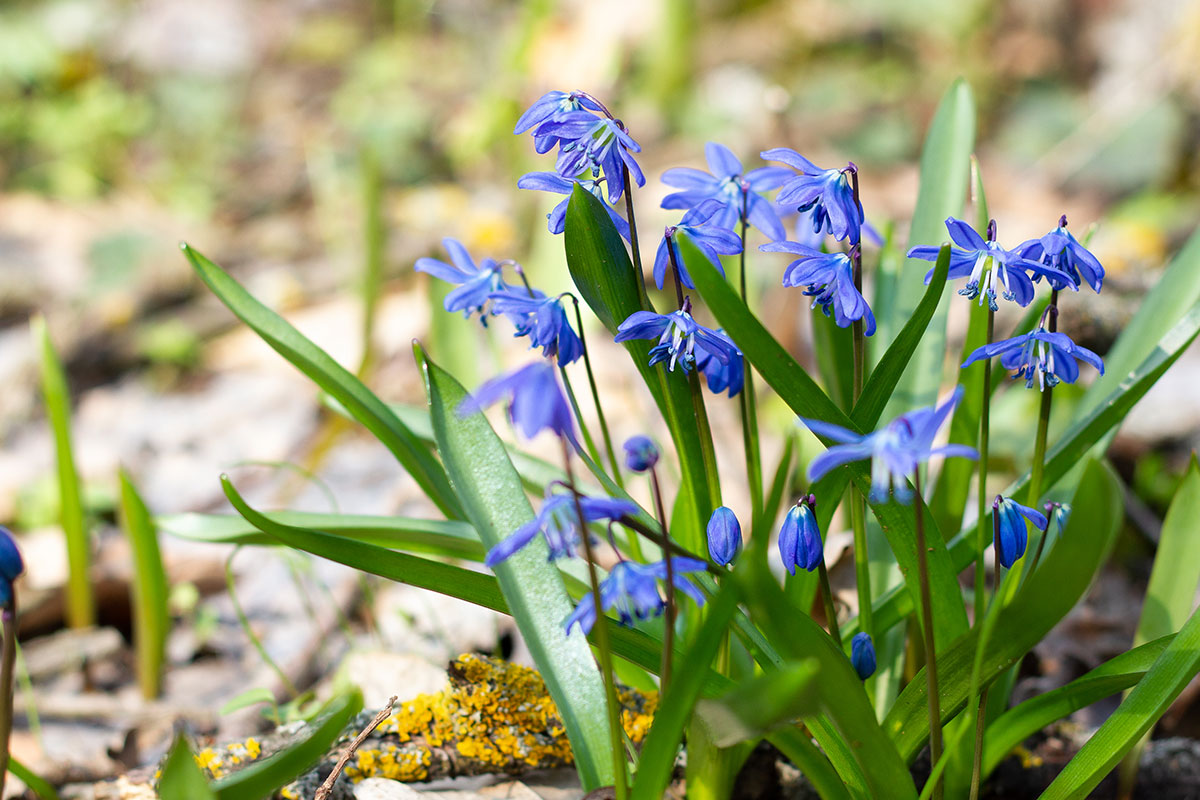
{"x":1149,"y":700}
{"x":1026,"y":719}
{"x":250,"y":697}
{"x":262,"y":778}
{"x":81,"y":606}
{"x":36,"y":784}
{"x":335,"y":379}
{"x":833,"y":348}
{"x":152,"y":621}
{"x":606,"y":280}
{"x":448,"y":538}
{"x":1176,"y":570}
{"x":945,"y":174}
{"x":181,"y":778}
{"x":1046,"y":596}
{"x":761,"y":704}
{"x":491,"y":493}
{"x":657,"y":760}
{"x":801,"y":393}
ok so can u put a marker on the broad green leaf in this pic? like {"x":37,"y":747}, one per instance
{"x":1176,"y":570}
{"x":152,"y":621}
{"x":35,"y":783}
{"x":657,"y":760}
{"x":803,"y":396}
{"x":1111,"y":677}
{"x":605,"y":277}
{"x":1173,"y":670}
{"x":847,"y":730}
{"x":833,"y":348}
{"x":761,"y":704}
{"x":263,"y":778}
{"x":181,"y":777}
{"x":333,"y":378}
{"x":495,"y":503}
{"x":81,"y":606}
{"x":1046,"y":596}
{"x":448,"y":538}
{"x":1068,"y":451}
{"x":942,"y":193}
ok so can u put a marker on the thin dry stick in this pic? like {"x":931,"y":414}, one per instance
{"x":327,"y":787}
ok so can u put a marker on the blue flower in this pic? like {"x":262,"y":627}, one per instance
{"x":553,"y":182}
{"x":1048,"y":356}
{"x":721,"y":375}
{"x":1009,"y":528}
{"x":553,"y":105}
{"x":730,"y":188}
{"x":862,"y":655}
{"x":474,"y":283}
{"x":633,"y":590}
{"x":1060,"y":513}
{"x":11,"y":566}
{"x":800,"y":539}
{"x":536,"y":401}
{"x":588,"y":144}
{"x":986,"y":263}
{"x":543,"y":320}
{"x":895,"y":450}
{"x":558,"y":522}
{"x":826,"y":192}
{"x":641,"y":453}
{"x":679,"y":336}
{"x":1060,"y":249}
{"x":708,"y":238}
{"x":724,"y":536}
{"x":830,"y":281}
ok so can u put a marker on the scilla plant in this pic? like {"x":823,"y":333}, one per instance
{"x":733,"y":621}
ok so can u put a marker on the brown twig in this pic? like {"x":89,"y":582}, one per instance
{"x":325,"y":788}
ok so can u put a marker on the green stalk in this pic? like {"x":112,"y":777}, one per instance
{"x":1038,"y":469}
{"x":643,"y":296}
{"x":8,"y":658}
{"x":827,"y":601}
{"x":615,"y":731}
{"x":244,"y":621}
{"x":858,"y":515}
{"x":935,"y":713}
{"x":979,"y":697}
{"x":588,"y":441}
{"x":754,"y":474}
{"x":664,"y":675}
{"x":591,"y":376}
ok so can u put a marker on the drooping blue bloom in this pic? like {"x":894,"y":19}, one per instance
{"x":721,"y":375}
{"x":590,"y":144}
{"x":536,"y":401}
{"x":474,"y":283}
{"x":553,"y":182}
{"x":710,"y":239}
{"x":985,"y":264}
{"x":558,"y":523}
{"x":895,"y":450}
{"x":679,"y":336}
{"x":733,"y":190}
{"x":826,"y":192}
{"x":1008,"y":520}
{"x":632,"y":589}
{"x":724,"y":536}
{"x":11,"y":566}
{"x":553,"y":105}
{"x":1048,"y":357}
{"x":799,"y":538}
{"x":543,"y":320}
{"x":830,"y":281}
{"x":1060,"y":513}
{"x":862,"y":655}
{"x":641,"y":453}
{"x":1060,"y":249}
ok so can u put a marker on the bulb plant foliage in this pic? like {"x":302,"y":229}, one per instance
{"x":646,"y":551}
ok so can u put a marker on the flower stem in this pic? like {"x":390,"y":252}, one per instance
{"x":858,"y":516}
{"x":748,"y":403}
{"x":615,"y":731}
{"x":591,"y":376}
{"x":1037,"y":470}
{"x":827,"y":600}
{"x":935,"y":713}
{"x":633,"y":239}
{"x":664,"y":674}
{"x":980,"y":703}
{"x":7,"y":661}
{"x":588,"y":441}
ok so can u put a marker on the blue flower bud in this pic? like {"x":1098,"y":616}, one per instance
{"x":799,"y":540}
{"x":11,"y":564}
{"x":1008,"y":524}
{"x":640,"y":453}
{"x":862,"y":655}
{"x":724,"y":536}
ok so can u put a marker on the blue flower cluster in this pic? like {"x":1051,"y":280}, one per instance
{"x":11,"y":566}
